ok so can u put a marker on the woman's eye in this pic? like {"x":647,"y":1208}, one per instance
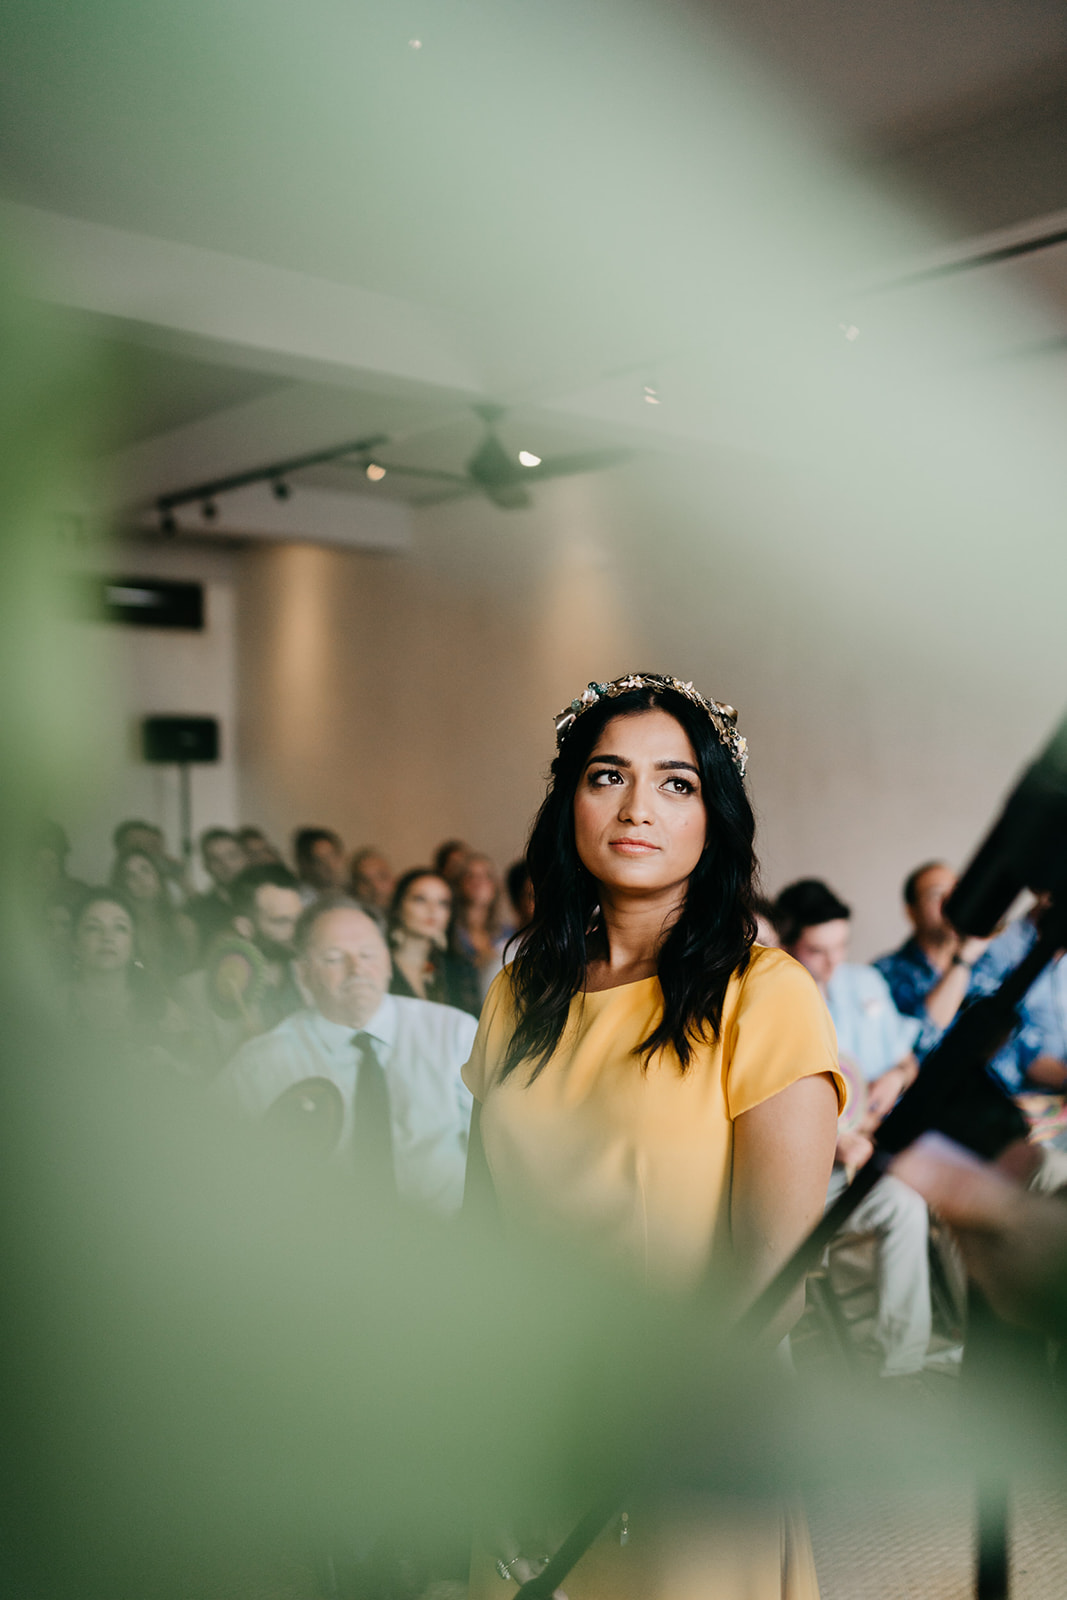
{"x":601,"y":780}
{"x":681,"y":786}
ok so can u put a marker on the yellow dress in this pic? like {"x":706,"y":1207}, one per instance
{"x":640,"y":1158}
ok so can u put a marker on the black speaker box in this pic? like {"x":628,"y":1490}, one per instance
{"x":180,"y":738}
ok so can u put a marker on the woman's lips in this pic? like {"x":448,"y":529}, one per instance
{"x":633,"y":847}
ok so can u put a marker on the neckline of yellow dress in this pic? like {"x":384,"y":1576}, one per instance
{"x":616,"y":988}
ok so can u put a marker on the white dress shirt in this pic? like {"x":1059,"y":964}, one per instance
{"x":422,"y":1048}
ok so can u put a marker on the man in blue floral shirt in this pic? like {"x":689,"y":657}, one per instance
{"x":933,"y":971}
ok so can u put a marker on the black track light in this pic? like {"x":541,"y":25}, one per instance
{"x":168,"y":523}
{"x":280,"y":489}
{"x":209,"y":510}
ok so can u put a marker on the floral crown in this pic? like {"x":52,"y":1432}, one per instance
{"x":723,"y":717}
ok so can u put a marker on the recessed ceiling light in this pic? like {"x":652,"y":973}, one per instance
{"x":651,"y":395}
{"x":850,"y":331}
{"x":415,"y":44}
{"x":374,"y":472}
{"x":528,"y":458}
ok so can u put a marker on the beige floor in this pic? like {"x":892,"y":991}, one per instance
{"x":922,"y":1547}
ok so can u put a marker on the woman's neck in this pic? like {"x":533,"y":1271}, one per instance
{"x":103,"y":983}
{"x":476,"y":918}
{"x":412,"y":956}
{"x":414,"y":949}
{"x":634,"y":928}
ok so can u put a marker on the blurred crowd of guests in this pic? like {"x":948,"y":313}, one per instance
{"x":888,"y":1016}
{"x":210,"y":970}
{"x":330,"y":988}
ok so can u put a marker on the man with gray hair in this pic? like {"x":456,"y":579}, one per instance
{"x":394,"y":1063}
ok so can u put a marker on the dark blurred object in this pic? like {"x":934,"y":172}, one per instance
{"x":184,"y":740}
{"x":311,"y":1112}
{"x":180,"y":739}
{"x":137,"y":602}
{"x":1026,"y":848}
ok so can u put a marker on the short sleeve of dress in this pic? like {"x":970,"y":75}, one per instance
{"x":779,"y":1031}
{"x":490,"y":1042}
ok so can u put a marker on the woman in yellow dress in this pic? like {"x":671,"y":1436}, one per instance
{"x":646,"y":1073}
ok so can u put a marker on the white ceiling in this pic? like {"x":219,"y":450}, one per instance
{"x":290,"y":228}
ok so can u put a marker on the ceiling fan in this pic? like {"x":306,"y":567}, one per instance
{"x":501,"y":475}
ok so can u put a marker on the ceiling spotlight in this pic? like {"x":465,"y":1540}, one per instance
{"x":850,"y":331}
{"x":651,"y":395}
{"x":209,"y":510}
{"x":280,"y":489}
{"x":414,"y":44}
{"x":168,"y":523}
{"x":528,"y":458}
{"x":374,"y":472}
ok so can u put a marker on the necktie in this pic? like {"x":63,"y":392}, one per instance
{"x":372,"y":1130}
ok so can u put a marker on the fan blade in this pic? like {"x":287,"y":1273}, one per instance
{"x":492,"y":467}
{"x":445,"y":497}
{"x":508,"y":496}
{"x":588,"y":461}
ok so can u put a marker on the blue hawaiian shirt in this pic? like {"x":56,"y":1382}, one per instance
{"x":911,"y":975}
{"x":1042,"y":1029}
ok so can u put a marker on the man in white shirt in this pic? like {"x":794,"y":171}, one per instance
{"x":396,"y":1062}
{"x":875,"y":1045}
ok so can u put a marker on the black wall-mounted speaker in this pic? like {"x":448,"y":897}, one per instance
{"x":137,"y":602}
{"x":180,"y":738}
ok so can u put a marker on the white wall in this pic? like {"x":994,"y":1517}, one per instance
{"x":889,"y":688}
{"x":156,"y":670}
{"x":890,"y":685}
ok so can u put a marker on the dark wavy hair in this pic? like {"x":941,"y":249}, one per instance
{"x":709,"y":941}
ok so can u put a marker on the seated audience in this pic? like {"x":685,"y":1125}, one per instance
{"x":1014,"y":1243}
{"x":875,"y":1044}
{"x":246,"y":985}
{"x":257,"y":847}
{"x":320,"y":862}
{"x":373,"y":881}
{"x":223,"y":859}
{"x":520,"y":893}
{"x":136,"y":834}
{"x":167,"y":938}
{"x":931,"y":974}
{"x":395,"y":1061}
{"x":57,"y":935}
{"x":481,"y":927}
{"x":425,"y":966}
{"x":1035,"y":1057}
{"x":450,"y":859}
{"x":50,"y":847}
{"x":111,"y":996}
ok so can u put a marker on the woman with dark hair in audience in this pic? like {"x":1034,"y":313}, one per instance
{"x":111,"y":994}
{"x":520,"y":893}
{"x":166,"y":937}
{"x":482,"y":925}
{"x":450,"y":859}
{"x":648,"y":1077}
{"x":426,"y":965}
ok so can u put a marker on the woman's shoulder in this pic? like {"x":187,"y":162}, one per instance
{"x":772,"y":979}
{"x":770,"y":968}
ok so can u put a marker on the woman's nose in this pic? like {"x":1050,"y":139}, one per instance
{"x":636,"y":805}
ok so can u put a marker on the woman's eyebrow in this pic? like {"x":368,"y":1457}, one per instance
{"x":615,"y":761}
{"x":672,"y":766}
